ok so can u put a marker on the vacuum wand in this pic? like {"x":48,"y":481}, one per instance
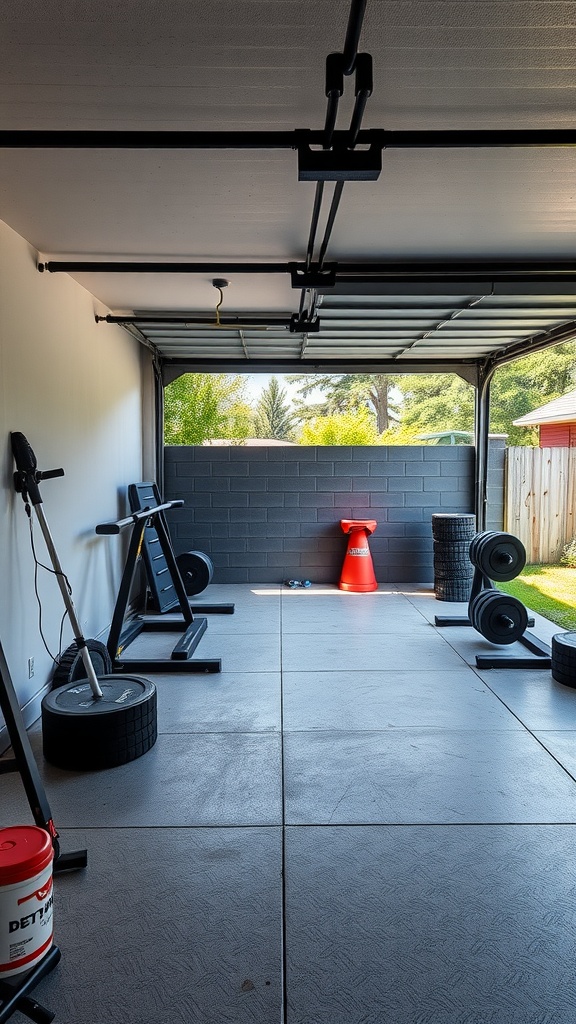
{"x":26,"y":481}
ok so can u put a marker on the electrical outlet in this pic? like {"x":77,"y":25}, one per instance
{"x":30,"y":667}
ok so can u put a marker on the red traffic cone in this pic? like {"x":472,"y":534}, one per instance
{"x":358,"y":570}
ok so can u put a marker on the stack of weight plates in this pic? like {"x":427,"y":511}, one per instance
{"x":564,"y":658}
{"x":453,"y":570}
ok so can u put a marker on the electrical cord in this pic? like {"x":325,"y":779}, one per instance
{"x":218,"y":304}
{"x":40,"y":565}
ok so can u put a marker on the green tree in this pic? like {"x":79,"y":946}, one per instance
{"x":273,"y":417}
{"x":435,"y":402}
{"x":341,"y":428}
{"x":527,"y":383}
{"x":347,"y":392}
{"x":202,"y":406}
{"x":432,"y":402}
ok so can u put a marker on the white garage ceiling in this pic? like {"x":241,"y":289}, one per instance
{"x":259,"y":65}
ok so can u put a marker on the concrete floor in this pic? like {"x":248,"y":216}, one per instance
{"x":351,"y":824}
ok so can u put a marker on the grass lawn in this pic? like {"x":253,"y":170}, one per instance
{"x":549,"y":590}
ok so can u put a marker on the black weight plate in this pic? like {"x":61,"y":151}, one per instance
{"x":472,"y":548}
{"x":456,"y":532}
{"x":454,"y":563}
{"x":563,"y":660}
{"x":462,"y":566}
{"x":196,"y":570}
{"x":561,"y":666}
{"x":565,"y":654}
{"x":443,"y":565}
{"x":501,"y":619}
{"x":82,"y":733}
{"x":500,"y":556}
{"x":476,"y":606}
{"x":451,"y":549}
{"x":475,"y":543}
{"x":453,"y":526}
{"x":463,"y":538}
{"x":564,"y":643}
{"x":484,"y":543}
{"x":453,"y":573}
{"x":71,"y":668}
{"x":451,"y":596}
{"x":565,"y":677}
{"x":453,"y":518}
{"x":452,"y":590}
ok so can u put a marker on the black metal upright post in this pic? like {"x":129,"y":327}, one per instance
{"x":15,"y":991}
{"x":24,"y":763}
{"x":482,"y":429}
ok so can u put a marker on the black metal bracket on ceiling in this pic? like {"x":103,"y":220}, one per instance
{"x":303,"y":324}
{"x":314,"y":276}
{"x":340,"y":163}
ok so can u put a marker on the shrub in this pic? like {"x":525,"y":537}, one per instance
{"x":569,"y":554}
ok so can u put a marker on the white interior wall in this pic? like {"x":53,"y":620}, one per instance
{"x":75,"y":389}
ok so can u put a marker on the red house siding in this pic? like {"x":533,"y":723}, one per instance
{"x":558,"y":435}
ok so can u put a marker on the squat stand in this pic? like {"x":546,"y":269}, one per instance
{"x":161,"y":570}
{"x":121,"y":636}
{"x":14,"y":992}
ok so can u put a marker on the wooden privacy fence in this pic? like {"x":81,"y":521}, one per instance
{"x":540,"y":500}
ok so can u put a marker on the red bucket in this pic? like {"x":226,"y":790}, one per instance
{"x":26,"y":897}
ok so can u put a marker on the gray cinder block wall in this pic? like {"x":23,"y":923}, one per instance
{"x":266,"y":514}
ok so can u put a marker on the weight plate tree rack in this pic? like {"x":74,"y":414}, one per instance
{"x":14,"y":993}
{"x":161,"y":569}
{"x":122,"y":635}
{"x":499,"y":618}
